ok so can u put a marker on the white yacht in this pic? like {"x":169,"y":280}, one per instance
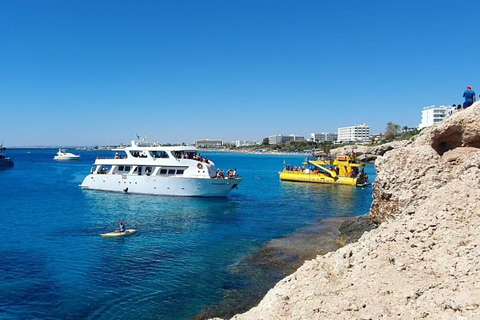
{"x":62,"y":154}
{"x":148,"y":168}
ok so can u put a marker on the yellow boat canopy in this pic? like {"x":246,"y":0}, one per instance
{"x":318,"y":165}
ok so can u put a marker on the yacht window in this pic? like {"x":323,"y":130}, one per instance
{"x":190,"y":155}
{"x":171,"y":171}
{"x":148,"y":170}
{"x":121,"y":168}
{"x":127,"y":168}
{"x":139,"y":154}
{"x":104,"y":169}
{"x":159,"y":154}
{"x":180,"y":171}
{"x":163,"y":171}
{"x":135,"y":154}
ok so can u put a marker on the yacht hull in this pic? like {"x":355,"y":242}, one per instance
{"x":156,"y":185}
{"x":6,"y":163}
{"x":65,"y":158}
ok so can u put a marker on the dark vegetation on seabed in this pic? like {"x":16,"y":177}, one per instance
{"x":282,"y":257}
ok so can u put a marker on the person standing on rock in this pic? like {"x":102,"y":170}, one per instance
{"x":469,"y":96}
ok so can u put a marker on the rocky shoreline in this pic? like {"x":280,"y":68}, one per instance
{"x":367,"y":153}
{"x":364,"y":153}
{"x":281,"y":257}
{"x":423,"y":261}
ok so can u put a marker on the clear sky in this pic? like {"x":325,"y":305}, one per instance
{"x":100,"y":72}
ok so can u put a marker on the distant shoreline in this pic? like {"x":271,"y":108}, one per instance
{"x":261,"y":153}
{"x":199,"y":150}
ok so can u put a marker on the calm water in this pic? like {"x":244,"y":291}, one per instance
{"x":55,"y":265}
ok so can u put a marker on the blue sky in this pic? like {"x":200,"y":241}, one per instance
{"x":100,"y":72}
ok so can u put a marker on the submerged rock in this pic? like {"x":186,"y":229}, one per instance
{"x":352,"y":229}
{"x":275,"y":260}
{"x":423,"y":261}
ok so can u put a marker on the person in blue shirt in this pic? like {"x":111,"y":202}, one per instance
{"x":121,"y":227}
{"x":469,"y":96}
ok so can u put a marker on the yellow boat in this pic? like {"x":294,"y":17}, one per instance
{"x":342,"y":170}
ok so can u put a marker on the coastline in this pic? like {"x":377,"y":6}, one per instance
{"x":257,"y":152}
{"x":422,"y":260}
{"x":281,"y":257}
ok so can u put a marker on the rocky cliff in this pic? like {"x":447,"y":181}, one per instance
{"x":367,"y":153}
{"x":424,"y":259}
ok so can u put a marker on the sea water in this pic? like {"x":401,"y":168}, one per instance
{"x":55,"y":265}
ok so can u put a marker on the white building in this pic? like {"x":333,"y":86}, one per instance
{"x":358,"y":133}
{"x":208,"y":143}
{"x":245,"y":143}
{"x":432,"y":115}
{"x":280,"y":138}
{"x":324,"y":136}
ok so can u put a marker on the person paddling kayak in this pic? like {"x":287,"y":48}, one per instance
{"x":121,"y":227}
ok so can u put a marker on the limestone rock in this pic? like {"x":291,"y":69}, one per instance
{"x":367,"y":153}
{"x":423,"y":261}
{"x":435,"y":157}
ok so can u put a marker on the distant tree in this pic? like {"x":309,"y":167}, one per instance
{"x":392,"y":131}
{"x":327,"y":146}
{"x":279,"y":146}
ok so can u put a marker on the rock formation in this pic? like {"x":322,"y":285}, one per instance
{"x":367,"y":153}
{"x":424,"y":259}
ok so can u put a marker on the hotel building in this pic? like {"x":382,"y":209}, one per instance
{"x":207,"y":143}
{"x":358,"y":133}
{"x":432,"y":115}
{"x":280,"y":138}
{"x":323,"y":137}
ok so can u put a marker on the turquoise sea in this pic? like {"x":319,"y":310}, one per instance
{"x":55,"y":265}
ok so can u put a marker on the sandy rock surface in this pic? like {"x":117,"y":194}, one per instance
{"x":367,"y":153}
{"x":423,"y":262}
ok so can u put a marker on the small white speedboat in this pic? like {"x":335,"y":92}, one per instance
{"x":118,"y":234}
{"x":62,"y":154}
